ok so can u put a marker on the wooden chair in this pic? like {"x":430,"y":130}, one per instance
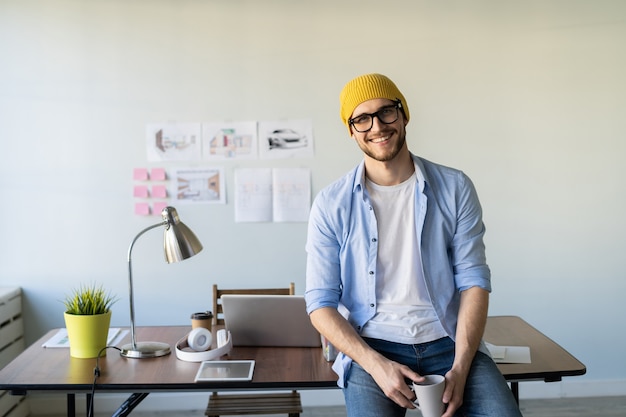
{"x":258,"y":403}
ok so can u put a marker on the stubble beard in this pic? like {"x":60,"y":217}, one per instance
{"x":386,"y":156}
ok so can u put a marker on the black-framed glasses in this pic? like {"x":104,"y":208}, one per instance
{"x":387,"y":115}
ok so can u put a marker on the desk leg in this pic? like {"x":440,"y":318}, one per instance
{"x":71,"y":405}
{"x":515,"y":389}
{"x":123,"y":411}
{"x":129,"y":405}
{"x":88,"y":400}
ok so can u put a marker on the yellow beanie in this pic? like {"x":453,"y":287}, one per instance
{"x":367,"y":87}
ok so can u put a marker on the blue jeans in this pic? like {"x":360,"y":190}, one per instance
{"x":486,"y":390}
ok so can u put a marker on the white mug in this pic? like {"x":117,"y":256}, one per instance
{"x":429,"y":395}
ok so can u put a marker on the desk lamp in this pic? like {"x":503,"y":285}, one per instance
{"x":179,"y":243}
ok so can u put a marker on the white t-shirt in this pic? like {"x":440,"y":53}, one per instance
{"x":404,"y":313}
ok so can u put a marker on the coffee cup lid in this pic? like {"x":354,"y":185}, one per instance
{"x":202,"y":316}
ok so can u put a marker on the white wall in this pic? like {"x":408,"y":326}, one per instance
{"x":527,"y":97}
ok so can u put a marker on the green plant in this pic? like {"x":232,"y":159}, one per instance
{"x":88,"y":300}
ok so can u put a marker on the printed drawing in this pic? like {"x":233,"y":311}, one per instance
{"x":229,"y":140}
{"x":286,"y":139}
{"x":173,"y":142}
{"x":199,"y":186}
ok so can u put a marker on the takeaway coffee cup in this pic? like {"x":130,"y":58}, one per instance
{"x":429,"y":395}
{"x":202,"y":320}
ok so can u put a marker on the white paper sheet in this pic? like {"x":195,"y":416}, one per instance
{"x":291,"y":194}
{"x":253,"y":195}
{"x":509,"y":354}
{"x":60,"y":339}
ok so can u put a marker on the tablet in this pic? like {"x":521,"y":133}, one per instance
{"x":225,"y":371}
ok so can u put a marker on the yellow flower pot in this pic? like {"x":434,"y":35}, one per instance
{"x":87,"y":334}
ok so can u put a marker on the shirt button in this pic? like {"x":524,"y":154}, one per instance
{"x":371,"y":272}
{"x":373,"y":239}
{"x":372,"y":305}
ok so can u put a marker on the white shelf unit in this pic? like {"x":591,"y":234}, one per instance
{"x":11,"y":345}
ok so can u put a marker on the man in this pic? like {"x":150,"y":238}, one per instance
{"x":396,"y":277}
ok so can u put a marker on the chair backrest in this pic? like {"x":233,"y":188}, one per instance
{"x":218,"y":312}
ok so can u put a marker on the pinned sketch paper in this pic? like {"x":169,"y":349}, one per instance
{"x":253,"y":195}
{"x":286,"y":139}
{"x":201,"y":185}
{"x":173,"y":141}
{"x":222,"y":141}
{"x":291,"y":194}
{"x":509,"y":354}
{"x":272,"y":195}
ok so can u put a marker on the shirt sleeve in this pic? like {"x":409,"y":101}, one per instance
{"x":323,"y":276}
{"x":469,"y":261}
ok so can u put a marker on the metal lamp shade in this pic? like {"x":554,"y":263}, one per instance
{"x":179,"y":242}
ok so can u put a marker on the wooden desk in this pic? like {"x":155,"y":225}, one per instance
{"x":53,"y":370}
{"x":549,"y":361}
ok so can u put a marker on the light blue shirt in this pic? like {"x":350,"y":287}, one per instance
{"x":342,"y":246}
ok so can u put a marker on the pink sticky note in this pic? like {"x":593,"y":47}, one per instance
{"x":140,"y":174}
{"x":159,"y":191}
{"x":142,"y":209}
{"x":159,"y":206}
{"x":158,"y":174}
{"x":140,"y":191}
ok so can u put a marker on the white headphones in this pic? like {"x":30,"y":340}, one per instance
{"x":195,"y":346}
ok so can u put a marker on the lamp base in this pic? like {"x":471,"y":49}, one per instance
{"x":144,"y":350}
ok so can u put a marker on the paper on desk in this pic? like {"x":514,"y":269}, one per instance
{"x":509,"y":354}
{"x":60,"y":339}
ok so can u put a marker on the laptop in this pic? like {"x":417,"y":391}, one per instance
{"x":269,"y":320}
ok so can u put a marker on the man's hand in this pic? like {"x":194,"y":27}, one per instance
{"x":391,"y":377}
{"x":453,"y":393}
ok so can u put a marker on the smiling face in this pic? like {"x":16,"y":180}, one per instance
{"x":383,"y":142}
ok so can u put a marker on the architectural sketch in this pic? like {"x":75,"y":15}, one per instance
{"x":173,"y":141}
{"x":202,"y":185}
{"x":229,"y":141}
{"x":272,"y":194}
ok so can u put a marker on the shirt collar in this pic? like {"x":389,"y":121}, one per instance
{"x":359,"y":182}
